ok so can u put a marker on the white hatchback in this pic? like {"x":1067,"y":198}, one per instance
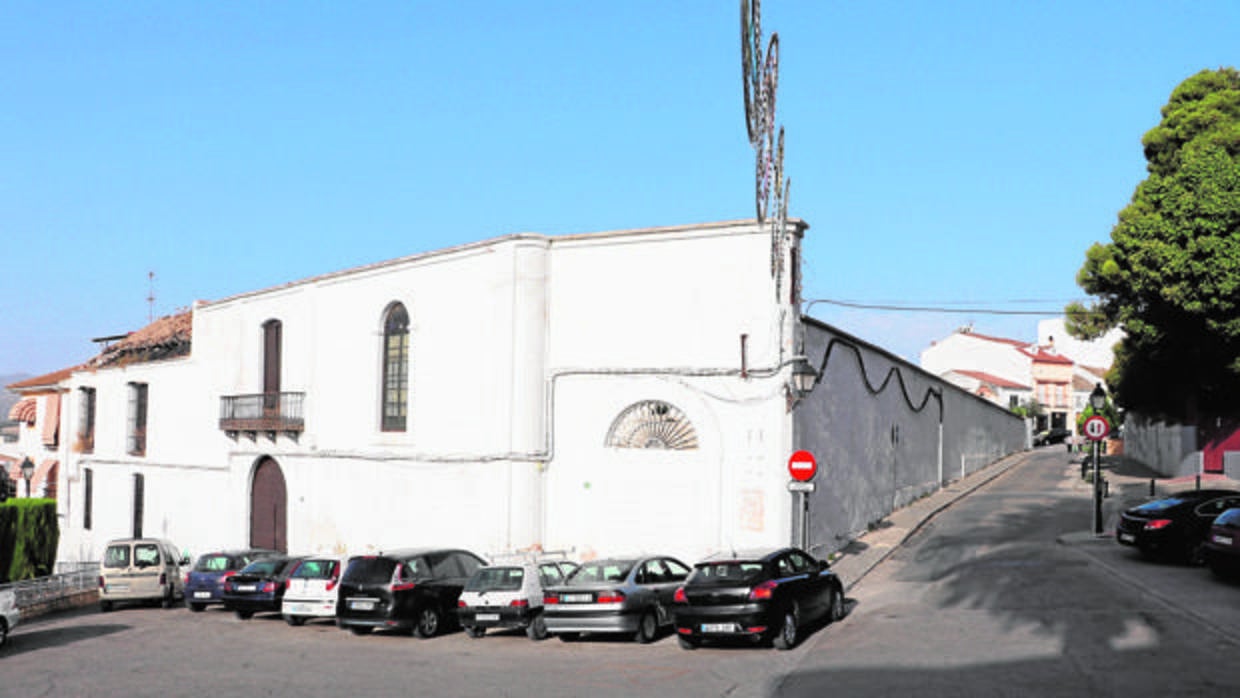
{"x":9,"y":614}
{"x":311,"y":590}
{"x":509,"y":596}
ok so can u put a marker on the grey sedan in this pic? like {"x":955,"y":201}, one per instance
{"x":618,"y":595}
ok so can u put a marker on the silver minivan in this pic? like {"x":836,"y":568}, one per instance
{"x":141,"y":569}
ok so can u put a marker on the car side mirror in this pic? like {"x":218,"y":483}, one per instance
{"x":826,"y":564}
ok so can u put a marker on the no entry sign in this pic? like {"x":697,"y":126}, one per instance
{"x":1096,"y":428}
{"x":802,"y":466}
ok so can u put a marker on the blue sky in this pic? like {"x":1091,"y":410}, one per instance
{"x":950,"y":154}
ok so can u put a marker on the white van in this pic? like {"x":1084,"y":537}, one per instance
{"x":141,"y":569}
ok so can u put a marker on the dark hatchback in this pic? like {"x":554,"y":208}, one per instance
{"x":1223,"y":546}
{"x":204,"y":584}
{"x":760,"y":595}
{"x":1177,"y":526}
{"x":404,"y":590}
{"x":259,"y":586}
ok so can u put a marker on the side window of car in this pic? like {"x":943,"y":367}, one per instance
{"x":800,"y":563}
{"x":443,"y":565}
{"x":784,"y":566}
{"x":417,"y":568}
{"x":549,"y":575}
{"x":468,"y":564}
{"x":676,"y":572}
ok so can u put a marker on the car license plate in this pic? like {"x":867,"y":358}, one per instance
{"x":577,"y":598}
{"x":1222,"y":540}
{"x":202,"y":594}
{"x":1127,"y":538}
{"x":718,"y":627}
{"x":362,"y":604}
{"x":118,"y":587}
{"x":247,"y":587}
{"x":488,"y":616}
{"x":297,"y":608}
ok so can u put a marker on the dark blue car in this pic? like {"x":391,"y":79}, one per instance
{"x":259,"y":586}
{"x":204,"y":585}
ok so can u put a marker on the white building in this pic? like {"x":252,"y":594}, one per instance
{"x":595,"y":393}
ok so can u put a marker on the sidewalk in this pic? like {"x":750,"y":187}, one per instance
{"x":872,"y":547}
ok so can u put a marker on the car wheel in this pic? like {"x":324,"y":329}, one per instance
{"x":105,"y":606}
{"x":475,"y":632}
{"x":295,"y":620}
{"x":688,"y":643}
{"x":428,"y":622}
{"x":537,"y":629}
{"x":197,"y":607}
{"x":245,"y":615}
{"x":786,"y":638}
{"x":646,"y":628}
{"x":1196,"y":555}
{"x":837,"y":605}
{"x":568,"y":637}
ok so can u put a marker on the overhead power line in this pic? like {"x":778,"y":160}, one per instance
{"x":929,"y":309}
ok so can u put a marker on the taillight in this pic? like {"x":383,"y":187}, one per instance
{"x":163,"y":578}
{"x":763,"y":591}
{"x":101,"y":585}
{"x":548,"y":599}
{"x":406,"y":586}
{"x":611,"y":597}
{"x":460,"y":604}
{"x":187,"y":579}
{"x":679,"y":596}
{"x":1157,"y":524}
{"x":269,"y":587}
{"x":288,"y":584}
{"x":224,"y":577}
{"x":331,"y":584}
{"x":520,"y":603}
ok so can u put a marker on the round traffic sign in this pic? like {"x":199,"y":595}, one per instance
{"x":1096,"y":428}
{"x":802,"y":466}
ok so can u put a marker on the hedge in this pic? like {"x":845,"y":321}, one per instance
{"x":29,"y":533}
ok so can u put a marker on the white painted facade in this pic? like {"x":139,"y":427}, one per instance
{"x":524,"y":350}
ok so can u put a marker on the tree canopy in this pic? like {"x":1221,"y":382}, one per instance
{"x":1170,"y":277}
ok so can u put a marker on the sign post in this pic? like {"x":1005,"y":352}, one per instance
{"x":1096,"y":429}
{"x":802,"y":466}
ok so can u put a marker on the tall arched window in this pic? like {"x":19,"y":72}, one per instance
{"x":652,"y":424}
{"x":395,"y":367}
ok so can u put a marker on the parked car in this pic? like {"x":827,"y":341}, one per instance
{"x":9,"y":615}
{"x":617,"y":595}
{"x":1052,"y":436}
{"x":312,"y":590}
{"x":204,"y":584}
{"x":759,"y":595}
{"x":509,"y":596}
{"x":1176,"y":526}
{"x":259,"y":586}
{"x":141,"y":570}
{"x":1222,"y":551}
{"x":406,"y":590}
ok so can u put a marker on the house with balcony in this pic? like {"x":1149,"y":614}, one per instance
{"x":39,"y":438}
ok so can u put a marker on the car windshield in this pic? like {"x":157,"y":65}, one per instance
{"x":726,"y":572}
{"x":315,"y":569}
{"x":1160,"y":505}
{"x":211,"y":563}
{"x":116,"y":556}
{"x":601,"y":571}
{"x":369,"y":570}
{"x":496,"y":579}
{"x":262,"y":568}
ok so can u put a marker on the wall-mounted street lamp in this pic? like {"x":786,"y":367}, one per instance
{"x":803,"y":377}
{"x":27,"y":472}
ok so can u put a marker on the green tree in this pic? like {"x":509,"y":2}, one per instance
{"x":1171,"y":274}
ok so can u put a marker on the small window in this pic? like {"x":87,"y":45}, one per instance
{"x":136,"y":419}
{"x":652,"y":424}
{"x":395,"y":368}
{"x":86,"y":421}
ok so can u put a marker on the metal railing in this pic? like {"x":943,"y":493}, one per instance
{"x":70,"y":579}
{"x":263,"y":412}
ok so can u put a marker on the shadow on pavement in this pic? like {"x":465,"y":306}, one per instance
{"x":24,"y":640}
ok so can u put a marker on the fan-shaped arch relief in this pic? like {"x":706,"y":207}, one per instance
{"x":652,"y":424}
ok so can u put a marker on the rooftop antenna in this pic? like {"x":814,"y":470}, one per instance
{"x":150,"y":297}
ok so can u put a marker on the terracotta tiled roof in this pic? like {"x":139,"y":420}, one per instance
{"x":47,"y":380}
{"x":1042,"y":356}
{"x":168,"y":337}
{"x":993,"y":380}
{"x":1001,"y":340}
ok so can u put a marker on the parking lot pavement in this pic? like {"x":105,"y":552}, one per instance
{"x":872,"y":547}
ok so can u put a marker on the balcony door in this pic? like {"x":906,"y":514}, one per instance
{"x":272,"y":331}
{"x":269,"y":507}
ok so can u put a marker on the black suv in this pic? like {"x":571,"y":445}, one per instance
{"x":404,"y":590}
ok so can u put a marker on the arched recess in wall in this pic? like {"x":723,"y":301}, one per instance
{"x":268,"y":506}
{"x":652,"y":424}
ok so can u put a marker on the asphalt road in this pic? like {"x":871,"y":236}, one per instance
{"x":997,"y":595}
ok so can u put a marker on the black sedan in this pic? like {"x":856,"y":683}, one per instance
{"x":759,"y":595}
{"x":404,"y":590}
{"x":1177,"y":526}
{"x":259,"y":586}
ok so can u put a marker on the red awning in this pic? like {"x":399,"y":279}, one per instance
{"x":51,"y":420}
{"x":43,"y":484}
{"x":24,"y":411}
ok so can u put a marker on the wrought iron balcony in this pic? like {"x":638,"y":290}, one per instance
{"x":267,"y":412}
